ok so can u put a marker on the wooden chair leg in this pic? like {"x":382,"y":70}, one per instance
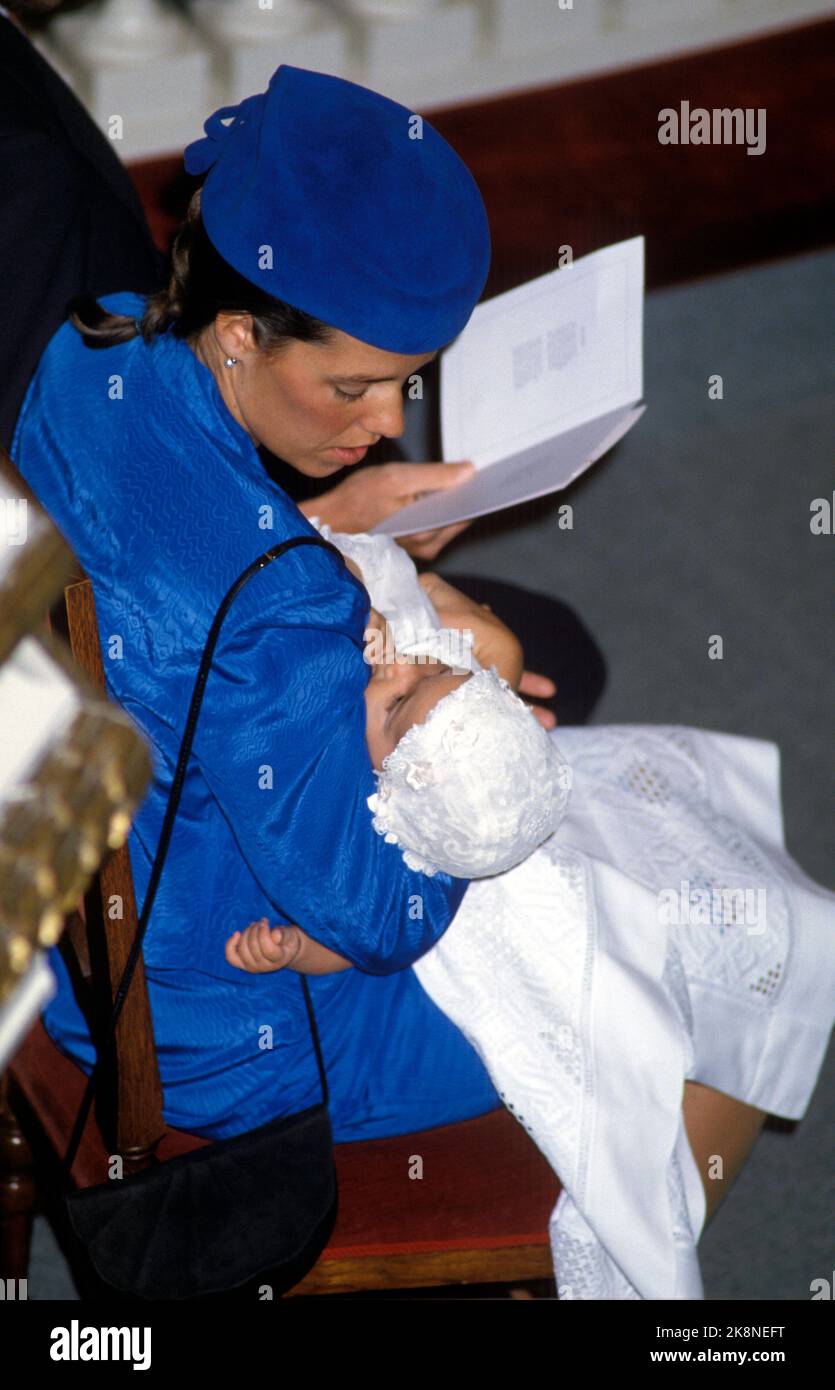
{"x":18,"y":1191}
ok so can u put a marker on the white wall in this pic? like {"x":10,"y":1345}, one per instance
{"x":150,"y":75}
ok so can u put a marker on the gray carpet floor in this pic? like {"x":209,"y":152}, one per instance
{"x":698,"y":524}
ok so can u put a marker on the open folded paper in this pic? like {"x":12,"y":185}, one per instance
{"x":540,"y":384}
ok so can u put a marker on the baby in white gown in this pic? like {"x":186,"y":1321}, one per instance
{"x":659,"y":932}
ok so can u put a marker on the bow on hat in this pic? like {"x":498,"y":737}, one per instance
{"x":202,"y":155}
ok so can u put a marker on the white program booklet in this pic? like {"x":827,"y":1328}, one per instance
{"x":539,"y":385}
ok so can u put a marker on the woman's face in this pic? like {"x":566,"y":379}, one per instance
{"x":309,"y":403}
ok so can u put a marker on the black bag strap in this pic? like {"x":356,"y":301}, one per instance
{"x":162,"y":850}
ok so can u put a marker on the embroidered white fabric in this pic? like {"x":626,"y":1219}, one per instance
{"x":662,"y":934}
{"x":592,"y":985}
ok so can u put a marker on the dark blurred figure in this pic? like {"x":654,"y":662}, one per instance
{"x":70,"y":218}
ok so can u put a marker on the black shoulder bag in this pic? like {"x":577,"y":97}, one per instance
{"x":208,"y":1221}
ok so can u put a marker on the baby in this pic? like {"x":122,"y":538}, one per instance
{"x":590,"y":1002}
{"x":429,"y":646}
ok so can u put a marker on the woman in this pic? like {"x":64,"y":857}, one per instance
{"x":139,"y":435}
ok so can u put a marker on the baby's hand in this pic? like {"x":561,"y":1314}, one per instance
{"x":260,"y":947}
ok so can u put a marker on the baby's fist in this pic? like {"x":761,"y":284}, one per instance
{"x":261,"y":948}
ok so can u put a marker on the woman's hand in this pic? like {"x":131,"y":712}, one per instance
{"x":425,"y":545}
{"x":372,"y":494}
{"x":493,"y":642}
{"x":544,"y":687}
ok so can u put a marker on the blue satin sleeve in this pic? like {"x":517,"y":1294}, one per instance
{"x":281,"y":744}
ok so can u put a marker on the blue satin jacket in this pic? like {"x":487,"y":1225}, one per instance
{"x":163,"y":498}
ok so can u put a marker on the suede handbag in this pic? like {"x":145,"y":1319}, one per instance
{"x":210,"y":1221}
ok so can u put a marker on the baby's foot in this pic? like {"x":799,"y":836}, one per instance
{"x":261,"y":948}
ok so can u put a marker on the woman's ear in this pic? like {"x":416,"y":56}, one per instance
{"x":234,"y":334}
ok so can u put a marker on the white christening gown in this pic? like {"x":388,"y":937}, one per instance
{"x":662,"y":933}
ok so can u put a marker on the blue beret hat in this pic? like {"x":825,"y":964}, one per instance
{"x":318,"y":193}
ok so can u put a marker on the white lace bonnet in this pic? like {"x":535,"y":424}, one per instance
{"x":476,"y":787}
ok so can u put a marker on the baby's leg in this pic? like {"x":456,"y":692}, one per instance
{"x":718,"y":1127}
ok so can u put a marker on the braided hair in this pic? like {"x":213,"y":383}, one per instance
{"x":201,"y":285}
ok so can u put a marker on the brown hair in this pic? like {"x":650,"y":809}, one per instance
{"x":201,"y":286}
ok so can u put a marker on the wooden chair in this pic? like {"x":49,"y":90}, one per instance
{"x":479,"y":1214}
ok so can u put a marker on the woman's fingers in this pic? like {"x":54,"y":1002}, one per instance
{"x":546,"y":717}
{"x":417,"y":480}
{"x":413,"y":480}
{"x":369,"y":495}
{"x":425,"y":545}
{"x":447,"y":600}
{"x":534,"y":684}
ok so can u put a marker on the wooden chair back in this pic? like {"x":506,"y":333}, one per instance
{"x":130,"y":1110}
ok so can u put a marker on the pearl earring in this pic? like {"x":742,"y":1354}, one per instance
{"x":231,"y":362}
